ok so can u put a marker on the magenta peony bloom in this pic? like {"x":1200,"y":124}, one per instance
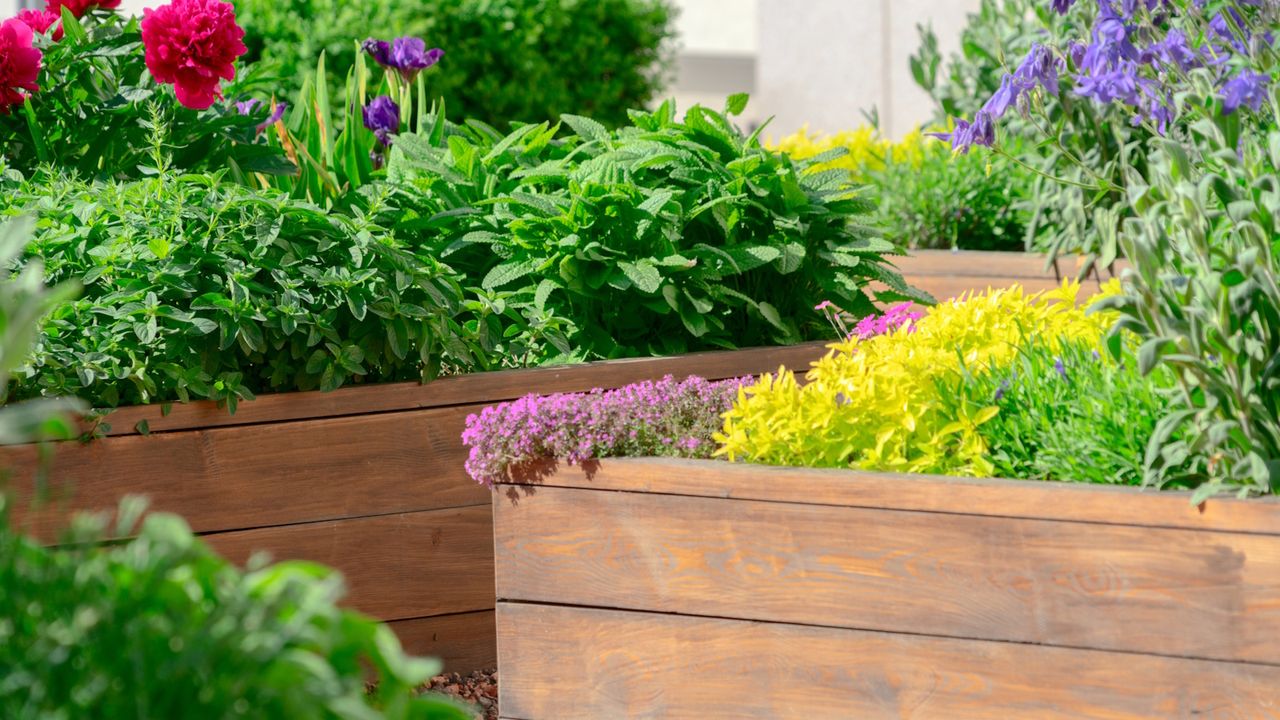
{"x":19,"y":63}
{"x":79,"y":7}
{"x":193,"y":45}
{"x":41,"y":21}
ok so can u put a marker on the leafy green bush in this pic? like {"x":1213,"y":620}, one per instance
{"x":523,"y":60}
{"x":161,"y":626}
{"x":99,"y":113}
{"x":945,"y":200}
{"x":1066,"y":412}
{"x":661,"y":237}
{"x":199,"y":289}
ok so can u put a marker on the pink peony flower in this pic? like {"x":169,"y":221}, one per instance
{"x":19,"y":63}
{"x":192,"y":44}
{"x":41,"y":20}
{"x":78,"y":7}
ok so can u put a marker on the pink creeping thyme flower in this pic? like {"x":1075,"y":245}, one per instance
{"x":41,"y":21}
{"x":193,"y":45}
{"x":19,"y":64}
{"x":666,"y":418}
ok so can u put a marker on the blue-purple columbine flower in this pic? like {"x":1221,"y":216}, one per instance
{"x":408,"y":56}
{"x":981,"y":131}
{"x":1060,"y":367}
{"x":382,"y":116}
{"x":1249,"y":88}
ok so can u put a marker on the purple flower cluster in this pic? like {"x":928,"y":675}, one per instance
{"x":382,"y":116}
{"x":895,"y":317}
{"x":664,"y":418}
{"x":1132,"y":54}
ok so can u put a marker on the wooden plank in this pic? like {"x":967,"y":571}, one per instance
{"x":479,"y":388}
{"x":983,"y":263}
{"x":1054,"y":583}
{"x":926,"y":493}
{"x":397,"y":567}
{"x":561,"y":663}
{"x":235,"y":478}
{"x":465,"y":642}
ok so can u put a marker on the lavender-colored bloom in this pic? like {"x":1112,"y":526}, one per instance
{"x":1175,"y":50}
{"x":406,"y":55}
{"x":245,"y":107}
{"x":274,"y":117}
{"x":980,"y":132}
{"x":1004,"y":98}
{"x":1059,"y":367}
{"x":650,"y":418}
{"x":1249,"y":88}
{"x":382,"y":116}
{"x":1232,"y":30}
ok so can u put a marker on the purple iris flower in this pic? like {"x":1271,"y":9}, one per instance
{"x":274,"y":117}
{"x":382,"y":116}
{"x":1062,"y":6}
{"x":1248,"y":88}
{"x":245,"y":107}
{"x":408,"y":56}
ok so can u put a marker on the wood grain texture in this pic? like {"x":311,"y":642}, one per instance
{"x":562,"y":663}
{"x":244,"y":477}
{"x":1046,"y":582}
{"x":927,"y":493}
{"x":464,"y":642}
{"x":477,"y":388}
{"x":982,"y":263}
{"x":397,"y":567}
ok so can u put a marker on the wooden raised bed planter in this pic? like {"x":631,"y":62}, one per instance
{"x":945,"y":274}
{"x":369,"y":480}
{"x":667,"y":588}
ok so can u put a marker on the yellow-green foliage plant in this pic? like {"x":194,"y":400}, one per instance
{"x":865,"y":150}
{"x":875,"y":403}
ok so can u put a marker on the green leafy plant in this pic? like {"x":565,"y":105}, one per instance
{"x":661,"y":237}
{"x":161,"y":626}
{"x":1065,"y":412}
{"x":24,"y":301}
{"x":506,"y":60}
{"x":100,"y":114}
{"x":195,"y":288}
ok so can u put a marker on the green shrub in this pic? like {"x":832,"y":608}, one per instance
{"x":664,"y":236}
{"x":195,"y":288}
{"x":161,"y":627}
{"x":945,"y":200}
{"x":524,"y":60}
{"x":1066,"y":412}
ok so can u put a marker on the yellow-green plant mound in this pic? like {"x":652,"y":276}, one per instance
{"x":876,"y":403}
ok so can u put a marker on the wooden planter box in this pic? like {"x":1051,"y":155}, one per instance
{"x":946,"y":274}
{"x":369,"y":480}
{"x":699,"y":589}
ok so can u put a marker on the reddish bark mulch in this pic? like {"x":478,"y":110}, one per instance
{"x":479,"y":689}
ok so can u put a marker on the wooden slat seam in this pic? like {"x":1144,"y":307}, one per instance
{"x":877,"y":631}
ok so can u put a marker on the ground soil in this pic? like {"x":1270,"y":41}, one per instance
{"x":479,"y":689}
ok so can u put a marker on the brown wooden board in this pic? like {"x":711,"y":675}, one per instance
{"x":927,"y":493}
{"x":463,"y":642}
{"x":982,"y":263}
{"x":562,"y":663}
{"x":1045,"y":582}
{"x":475,"y":388}
{"x":403,"y":566}
{"x":245,"y":477}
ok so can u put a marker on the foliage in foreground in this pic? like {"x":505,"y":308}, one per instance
{"x":664,"y":236}
{"x":161,"y":626}
{"x":506,"y":60}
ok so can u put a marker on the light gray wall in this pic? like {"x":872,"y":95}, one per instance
{"x":823,"y":61}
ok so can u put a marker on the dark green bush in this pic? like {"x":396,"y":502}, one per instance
{"x":162,"y":627}
{"x":664,"y":236}
{"x":524,"y":60}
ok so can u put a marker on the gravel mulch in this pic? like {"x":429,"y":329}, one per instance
{"x":479,"y":689}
